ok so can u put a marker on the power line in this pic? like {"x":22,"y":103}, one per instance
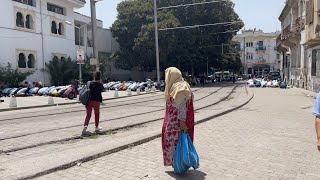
{"x":197,"y":26}
{"x":184,"y":5}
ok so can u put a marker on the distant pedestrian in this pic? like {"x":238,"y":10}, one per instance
{"x":202,"y":80}
{"x":29,"y":85}
{"x":179,"y":113}
{"x":75,"y":86}
{"x":96,"y":89}
{"x":194,"y":81}
{"x":316,"y":113}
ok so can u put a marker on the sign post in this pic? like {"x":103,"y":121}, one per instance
{"x":80,"y":61}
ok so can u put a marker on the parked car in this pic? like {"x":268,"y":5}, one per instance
{"x":42,"y":91}
{"x":22,"y":92}
{"x":274,"y":75}
{"x":257,"y":83}
{"x":283,"y":85}
{"x":14,"y":91}
{"x":275,"y":83}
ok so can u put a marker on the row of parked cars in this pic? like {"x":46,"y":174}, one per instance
{"x":133,"y":86}
{"x":70,"y":92}
{"x":266,"y":83}
{"x":59,"y":91}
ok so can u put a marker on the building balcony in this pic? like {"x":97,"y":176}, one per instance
{"x":298,"y":27}
{"x":261,"y":48}
{"x":77,"y":3}
{"x":312,"y":35}
{"x":286,"y":33}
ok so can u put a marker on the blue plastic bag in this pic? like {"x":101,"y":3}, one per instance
{"x":185,"y":156}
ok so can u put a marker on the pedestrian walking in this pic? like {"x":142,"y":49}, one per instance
{"x":316,"y":113}
{"x":29,"y":85}
{"x":202,"y":79}
{"x":96,"y":89}
{"x":194,"y":81}
{"x":179,"y":113}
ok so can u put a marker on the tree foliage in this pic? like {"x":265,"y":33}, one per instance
{"x":63,"y":72}
{"x":183,"y":48}
{"x":10,"y":77}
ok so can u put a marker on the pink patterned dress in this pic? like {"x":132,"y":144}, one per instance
{"x":171,"y":127}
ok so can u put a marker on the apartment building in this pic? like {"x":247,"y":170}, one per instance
{"x":258,"y":52}
{"x":299,"y":43}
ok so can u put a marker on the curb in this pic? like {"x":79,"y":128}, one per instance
{"x":127,"y":146}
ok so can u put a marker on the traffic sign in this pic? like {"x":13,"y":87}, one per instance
{"x":80,"y":56}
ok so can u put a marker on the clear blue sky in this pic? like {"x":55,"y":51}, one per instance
{"x":260,"y":14}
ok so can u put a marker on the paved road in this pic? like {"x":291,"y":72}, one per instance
{"x":271,"y":138}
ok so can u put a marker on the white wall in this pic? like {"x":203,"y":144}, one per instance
{"x":13,"y":39}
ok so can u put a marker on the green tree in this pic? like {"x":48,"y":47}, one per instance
{"x":62,"y":72}
{"x":183,"y":48}
{"x":10,"y":77}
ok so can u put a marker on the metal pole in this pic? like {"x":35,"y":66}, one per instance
{"x":94,"y":32}
{"x":222,"y":49}
{"x":157,"y":40}
{"x":80,"y":69}
{"x":244,"y":56}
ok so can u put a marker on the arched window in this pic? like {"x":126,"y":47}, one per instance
{"x":54,"y":27}
{"x":29,"y":22}
{"x":22,"y":61}
{"x":55,"y":58}
{"x":63,"y":58}
{"x":19,"y":19}
{"x":31,"y":61}
{"x":61,"y":29}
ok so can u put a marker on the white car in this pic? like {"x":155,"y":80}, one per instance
{"x":264,"y":83}
{"x":275,"y":83}
{"x":269,"y":83}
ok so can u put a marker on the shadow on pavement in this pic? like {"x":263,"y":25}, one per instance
{"x":190,"y":175}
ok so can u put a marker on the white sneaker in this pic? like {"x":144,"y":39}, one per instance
{"x":84,"y":131}
{"x":98,"y":129}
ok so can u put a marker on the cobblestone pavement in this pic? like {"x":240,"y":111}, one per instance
{"x":272,"y":137}
{"x":45,"y":127}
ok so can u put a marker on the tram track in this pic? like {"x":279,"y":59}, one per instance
{"x":58,"y":112}
{"x":109,"y":130}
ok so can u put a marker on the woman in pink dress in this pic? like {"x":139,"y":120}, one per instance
{"x":179,"y":113}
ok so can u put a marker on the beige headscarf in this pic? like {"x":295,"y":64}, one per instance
{"x":176,"y":87}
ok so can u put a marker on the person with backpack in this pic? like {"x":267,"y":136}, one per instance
{"x":92,"y":97}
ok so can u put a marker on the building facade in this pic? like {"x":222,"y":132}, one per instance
{"x":258,"y":52}
{"x":300,"y":42}
{"x":33,"y":32}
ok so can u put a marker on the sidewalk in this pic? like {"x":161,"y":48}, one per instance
{"x":306,"y":92}
{"x":42,"y":101}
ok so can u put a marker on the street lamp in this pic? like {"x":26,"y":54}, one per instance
{"x":79,"y":28}
{"x":156,"y":39}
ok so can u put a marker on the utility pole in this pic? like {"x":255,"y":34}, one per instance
{"x":157,"y":39}
{"x":94,"y":33}
{"x":244,"y":56}
{"x":222,"y":49}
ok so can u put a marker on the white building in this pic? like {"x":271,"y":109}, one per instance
{"x":258,"y":52}
{"x":32,"y":32}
